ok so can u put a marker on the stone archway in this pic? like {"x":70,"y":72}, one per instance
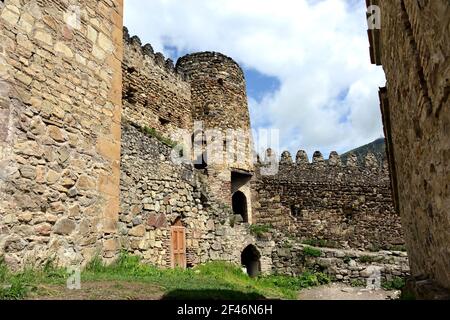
{"x":239,"y":203}
{"x":250,"y":259}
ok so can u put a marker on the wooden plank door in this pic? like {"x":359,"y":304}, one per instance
{"x":178,"y":239}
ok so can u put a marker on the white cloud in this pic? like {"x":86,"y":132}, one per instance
{"x":317,"y":49}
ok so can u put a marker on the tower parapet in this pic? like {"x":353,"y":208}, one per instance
{"x":219,"y":95}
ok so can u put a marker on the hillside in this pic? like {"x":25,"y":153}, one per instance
{"x":377,"y":147}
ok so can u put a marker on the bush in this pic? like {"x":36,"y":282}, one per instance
{"x":357,"y":283}
{"x":311,"y":252}
{"x":396,"y":283}
{"x":398,"y":248}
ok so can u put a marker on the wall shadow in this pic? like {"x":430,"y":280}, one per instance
{"x":211,"y":294}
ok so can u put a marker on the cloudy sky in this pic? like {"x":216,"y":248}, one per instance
{"x":306,"y":62}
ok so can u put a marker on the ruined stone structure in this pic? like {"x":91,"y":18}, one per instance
{"x":349,"y":266}
{"x":91,"y":124}
{"x":413,"y":47}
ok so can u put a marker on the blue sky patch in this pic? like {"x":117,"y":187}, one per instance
{"x":259,"y":84}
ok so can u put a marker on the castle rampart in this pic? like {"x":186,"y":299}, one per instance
{"x":344,"y":205}
{"x":154,"y":93}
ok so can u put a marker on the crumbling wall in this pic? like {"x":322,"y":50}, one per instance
{"x":349,"y":266}
{"x":60,"y":80}
{"x":414,"y":52}
{"x":155,"y":192}
{"x":342,"y":205}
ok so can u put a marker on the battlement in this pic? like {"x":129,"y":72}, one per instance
{"x":146,"y":52}
{"x":207,"y":57}
{"x":154,"y":93}
{"x":334,"y":160}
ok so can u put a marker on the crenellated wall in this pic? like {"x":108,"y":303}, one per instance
{"x":154,"y":93}
{"x":343,"y":205}
{"x":79,"y":175}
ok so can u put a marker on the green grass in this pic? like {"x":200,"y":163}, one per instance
{"x":259,"y":229}
{"x":214,"y":280}
{"x":152,"y":132}
{"x":18,"y":285}
{"x":312,"y":252}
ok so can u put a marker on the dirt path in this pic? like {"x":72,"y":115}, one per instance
{"x":100,"y":290}
{"x":336,"y":291}
{"x":123,"y":290}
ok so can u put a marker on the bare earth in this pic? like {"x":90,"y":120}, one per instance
{"x":101,"y":290}
{"x":339,"y":291}
{"x":123,"y":290}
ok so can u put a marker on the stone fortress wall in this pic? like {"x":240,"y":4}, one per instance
{"x":60,"y":118}
{"x":155,"y":192}
{"x":413,"y":47}
{"x":154,"y":93}
{"x":344,"y":205}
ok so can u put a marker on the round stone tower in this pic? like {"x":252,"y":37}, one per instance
{"x":219,"y":95}
{"x":219,"y":106}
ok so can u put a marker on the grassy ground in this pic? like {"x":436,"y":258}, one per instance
{"x":128,"y":278}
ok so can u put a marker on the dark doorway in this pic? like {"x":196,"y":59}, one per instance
{"x":250,"y":259}
{"x":239,"y":202}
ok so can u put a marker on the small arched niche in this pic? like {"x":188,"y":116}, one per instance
{"x":250,"y":259}
{"x":239,"y":204}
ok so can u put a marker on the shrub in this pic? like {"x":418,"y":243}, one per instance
{"x":312,"y":252}
{"x":374,"y":248}
{"x":398,"y":248}
{"x":357,"y":283}
{"x":396,"y":283}
{"x":347,"y":259}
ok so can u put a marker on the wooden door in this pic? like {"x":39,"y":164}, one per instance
{"x":178,"y":237}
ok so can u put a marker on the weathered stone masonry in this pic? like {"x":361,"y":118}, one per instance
{"x":60,"y":110}
{"x":413,"y":47}
{"x":344,"y":205}
{"x":155,"y":192}
{"x":154,"y":93}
